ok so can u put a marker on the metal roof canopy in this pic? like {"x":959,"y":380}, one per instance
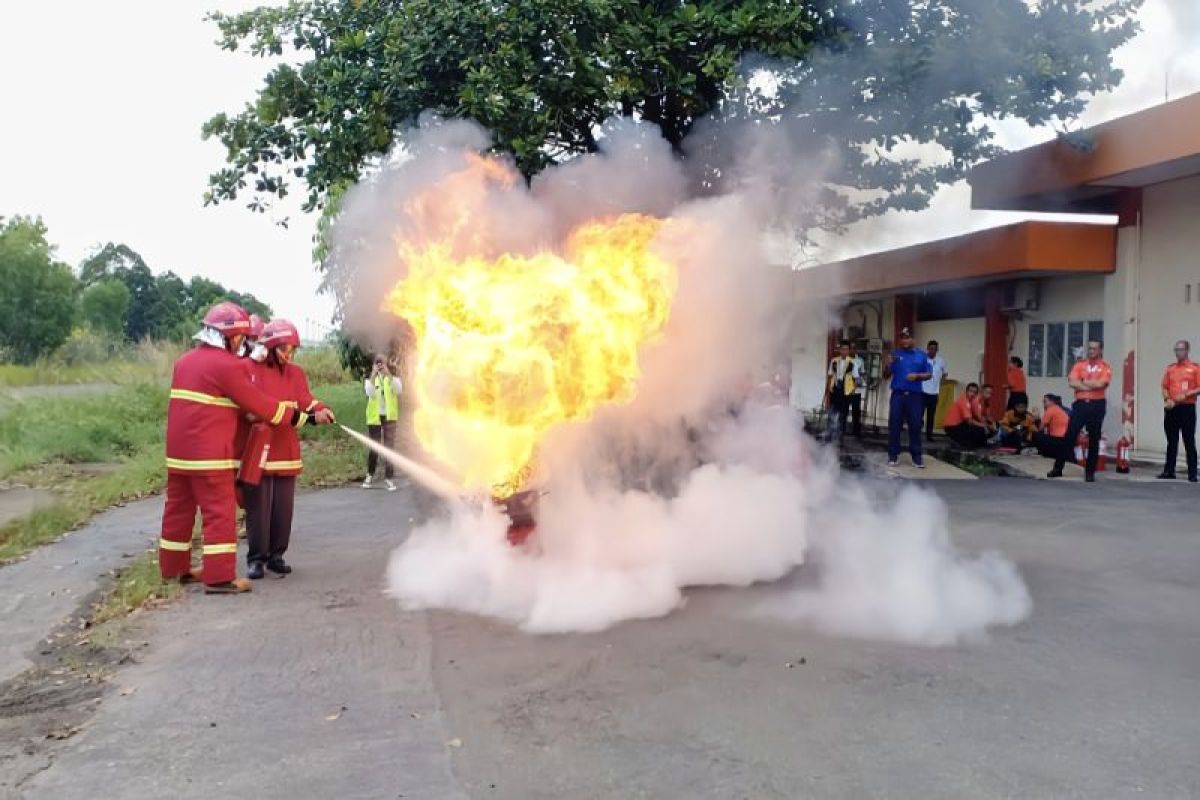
{"x":1021,"y":250}
{"x":1095,"y":170}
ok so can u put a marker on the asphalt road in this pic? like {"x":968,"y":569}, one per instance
{"x":318,"y":686}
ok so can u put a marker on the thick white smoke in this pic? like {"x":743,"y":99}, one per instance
{"x":688,"y":484}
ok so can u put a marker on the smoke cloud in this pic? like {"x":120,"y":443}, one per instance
{"x":694,"y":481}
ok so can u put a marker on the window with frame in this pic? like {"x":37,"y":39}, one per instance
{"x":1055,"y":346}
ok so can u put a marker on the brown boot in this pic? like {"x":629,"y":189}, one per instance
{"x":235,"y":586}
{"x":191,"y":576}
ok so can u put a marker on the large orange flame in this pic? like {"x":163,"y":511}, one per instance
{"x":510,"y":345}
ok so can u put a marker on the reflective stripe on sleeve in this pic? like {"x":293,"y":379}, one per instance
{"x":183,"y":463}
{"x":279,"y":413}
{"x":220,"y":549}
{"x":182,"y":547}
{"x":201,"y":397}
{"x":277,"y":465}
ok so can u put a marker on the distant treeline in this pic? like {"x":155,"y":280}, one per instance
{"x":113,"y":294}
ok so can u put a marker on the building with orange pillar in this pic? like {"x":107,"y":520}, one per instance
{"x":1039,"y":289}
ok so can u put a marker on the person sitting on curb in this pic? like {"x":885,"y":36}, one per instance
{"x":1051,"y":439}
{"x":1017,"y":427}
{"x":963,"y":424}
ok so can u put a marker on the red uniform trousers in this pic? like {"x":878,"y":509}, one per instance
{"x":213,"y":495}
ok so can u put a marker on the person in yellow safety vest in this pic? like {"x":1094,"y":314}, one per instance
{"x":383,"y":412}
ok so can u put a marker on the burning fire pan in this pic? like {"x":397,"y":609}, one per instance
{"x":521,"y":509}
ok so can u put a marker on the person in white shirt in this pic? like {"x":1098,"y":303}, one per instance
{"x":933,"y":387}
{"x":383,"y":411}
{"x":843,"y":379}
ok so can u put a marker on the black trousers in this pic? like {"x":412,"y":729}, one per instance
{"x":931,"y":401}
{"x":1051,"y":446}
{"x":385,"y":434}
{"x":964,"y":434}
{"x":855,"y":401}
{"x":1180,"y":421}
{"x":839,"y":408}
{"x":1087,"y":414}
{"x":269,"y":517}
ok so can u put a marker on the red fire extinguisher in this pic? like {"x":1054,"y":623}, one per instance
{"x":1081,"y":448}
{"x":1123,"y":455}
{"x":254,"y":456}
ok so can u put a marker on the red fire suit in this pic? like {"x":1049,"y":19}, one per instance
{"x":269,"y":504}
{"x":208,"y":387}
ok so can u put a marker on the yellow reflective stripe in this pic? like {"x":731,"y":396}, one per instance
{"x":279,"y":412}
{"x":167,"y":544}
{"x":180,"y":463}
{"x":201,"y":397}
{"x":219,"y":549}
{"x":302,"y":420}
{"x":310,"y":405}
{"x":270,"y":465}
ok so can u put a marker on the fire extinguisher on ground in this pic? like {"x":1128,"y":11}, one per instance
{"x":1081,"y":448}
{"x":1123,"y":455}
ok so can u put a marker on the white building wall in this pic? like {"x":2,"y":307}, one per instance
{"x":960,"y":341}
{"x":1073,"y":299}
{"x":1168,"y":296}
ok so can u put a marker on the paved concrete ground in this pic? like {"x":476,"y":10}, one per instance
{"x":1097,"y":695}
{"x":1035,"y":466}
{"x":935,"y":468}
{"x":42,"y":590}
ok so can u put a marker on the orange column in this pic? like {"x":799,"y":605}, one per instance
{"x":995,"y":341}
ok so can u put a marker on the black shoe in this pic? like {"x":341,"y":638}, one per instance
{"x":279,"y":566}
{"x":1090,"y":477}
{"x":1166,"y":476}
{"x":254,"y":570}
{"x":1054,"y":473}
{"x":1191,"y":478}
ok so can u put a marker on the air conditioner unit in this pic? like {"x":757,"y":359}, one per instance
{"x":1021,"y":296}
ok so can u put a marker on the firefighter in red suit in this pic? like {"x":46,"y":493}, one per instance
{"x":269,"y":503}
{"x":254,"y":353}
{"x":210,"y":390}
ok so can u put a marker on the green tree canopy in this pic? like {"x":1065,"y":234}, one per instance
{"x":104,"y":306}
{"x":37,"y":304}
{"x":161,"y":306}
{"x":863,"y":77}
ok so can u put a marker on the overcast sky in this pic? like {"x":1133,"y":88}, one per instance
{"x":104,"y":102}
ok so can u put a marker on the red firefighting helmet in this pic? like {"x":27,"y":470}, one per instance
{"x":280,"y":331}
{"x":256,"y":326}
{"x":228,"y":318}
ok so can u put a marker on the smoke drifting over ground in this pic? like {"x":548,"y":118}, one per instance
{"x":670,"y":489}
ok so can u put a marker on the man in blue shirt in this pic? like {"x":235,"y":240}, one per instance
{"x":908,"y":368}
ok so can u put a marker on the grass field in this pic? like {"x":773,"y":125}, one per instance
{"x":96,"y":451}
{"x":84,"y":360}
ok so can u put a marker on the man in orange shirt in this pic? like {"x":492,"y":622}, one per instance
{"x":1090,"y":379}
{"x":1180,"y":386}
{"x":962,"y":424}
{"x":1051,"y":440}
